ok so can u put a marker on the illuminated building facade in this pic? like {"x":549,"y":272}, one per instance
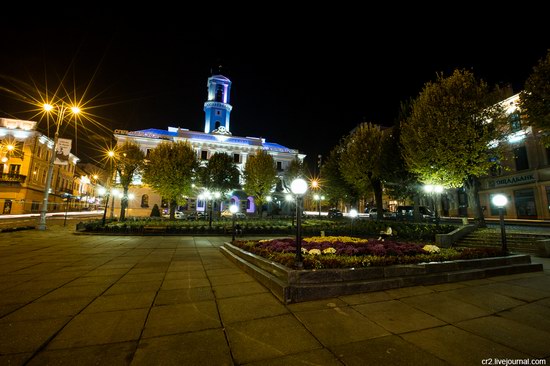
{"x":216,"y":138}
{"x":24,"y":160}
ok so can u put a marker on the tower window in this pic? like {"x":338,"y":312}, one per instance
{"x":218,"y":113}
{"x":204,"y":155}
{"x":219,"y":94}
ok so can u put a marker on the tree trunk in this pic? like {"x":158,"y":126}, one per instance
{"x":173,"y":206}
{"x":377,"y":188}
{"x":416,"y":209}
{"x":472,"y":186}
{"x":124,"y":204}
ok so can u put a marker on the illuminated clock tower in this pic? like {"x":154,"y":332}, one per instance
{"x":217,"y":108}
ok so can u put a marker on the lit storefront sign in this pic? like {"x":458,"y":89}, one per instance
{"x":513,"y":180}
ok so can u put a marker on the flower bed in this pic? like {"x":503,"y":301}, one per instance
{"x":348,"y":252}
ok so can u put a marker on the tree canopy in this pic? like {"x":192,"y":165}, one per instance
{"x":334,"y":184}
{"x":260,"y":175}
{"x":535,"y":98}
{"x":219,"y":174}
{"x":170,"y":171}
{"x":128,"y":161}
{"x":452,"y":135}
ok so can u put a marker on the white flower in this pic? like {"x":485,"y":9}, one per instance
{"x":314,"y":252}
{"x":304,"y":251}
{"x":329,"y":251}
{"x":431,"y":248}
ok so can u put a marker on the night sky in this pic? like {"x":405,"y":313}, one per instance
{"x":303,"y":87}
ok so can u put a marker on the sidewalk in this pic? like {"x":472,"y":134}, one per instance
{"x":176,"y":300}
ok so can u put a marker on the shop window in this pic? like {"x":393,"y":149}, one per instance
{"x":525,"y":204}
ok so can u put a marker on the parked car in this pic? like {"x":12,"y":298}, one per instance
{"x":197,"y":215}
{"x":227,"y":214}
{"x":334,"y":213}
{"x":386,"y":214}
{"x":177,"y":215}
{"x":407,"y":213}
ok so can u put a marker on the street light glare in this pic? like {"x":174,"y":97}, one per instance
{"x":298,"y":186}
{"x":500,"y":200}
{"x":111,"y":153}
{"x":47,"y":107}
{"x":75,"y":110}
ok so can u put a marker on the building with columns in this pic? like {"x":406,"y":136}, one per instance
{"x":216,"y":138}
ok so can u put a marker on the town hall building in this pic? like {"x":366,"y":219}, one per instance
{"x":216,"y":138}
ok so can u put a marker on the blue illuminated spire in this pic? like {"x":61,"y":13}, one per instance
{"x":217,"y":108}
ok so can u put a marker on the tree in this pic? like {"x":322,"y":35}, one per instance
{"x":361,"y":160}
{"x":170,"y":170}
{"x":219,"y":174}
{"x":448,"y":138}
{"x":535,"y":98}
{"x":260,"y":175}
{"x":129,"y":160}
{"x":295,"y":170}
{"x":334,"y":184}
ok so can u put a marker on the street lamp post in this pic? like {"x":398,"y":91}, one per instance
{"x":60,"y":115}
{"x":500,"y":201}
{"x":233,"y":209}
{"x":298,"y":187}
{"x":353,"y":214}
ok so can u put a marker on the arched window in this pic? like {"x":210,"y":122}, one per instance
{"x":145,"y":201}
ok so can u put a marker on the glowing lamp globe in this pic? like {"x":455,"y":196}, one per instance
{"x":298,"y":186}
{"x":499,"y":200}
{"x":233,"y":209}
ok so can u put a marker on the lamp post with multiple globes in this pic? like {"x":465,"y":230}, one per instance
{"x":500,"y":201}
{"x":61,"y":110}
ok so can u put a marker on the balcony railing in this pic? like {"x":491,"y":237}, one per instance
{"x":12,"y":178}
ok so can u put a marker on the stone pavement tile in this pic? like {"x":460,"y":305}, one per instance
{"x":181,"y":318}
{"x":510,"y":277}
{"x":266,"y":338}
{"x":224,"y":271}
{"x":484,"y":299}
{"x":338,"y":326}
{"x":446,"y":308}
{"x":184,"y":295}
{"x":185,"y":283}
{"x":408,"y":291}
{"x":128,"y":287}
{"x":48,"y":310}
{"x":70,"y":292}
{"x":134,"y":300}
{"x":206,"y":347}
{"x":107,"y":272}
{"x":148,"y":269}
{"x":316,"y":305}
{"x":316,"y":357}
{"x":94,"y":280}
{"x":197,"y":274}
{"x":229,"y":279}
{"x":39,"y":285}
{"x":100,"y":328}
{"x":28,"y":336}
{"x":482,"y":281}
{"x":63,"y":276}
{"x":513,"y":334}
{"x":238,"y":289}
{"x":445,"y":286}
{"x":115,"y":354}
{"x":5,"y":309}
{"x":366,"y":297}
{"x":235,"y":309}
{"x":533,"y":315}
{"x":458,"y":347}
{"x":185,"y":266}
{"x":543,"y":302}
{"x":389,"y":350}
{"x":397,"y":317}
{"x":141,"y":277}
{"x":521,"y":293}
{"x":15,"y":359}
{"x":540,"y":282}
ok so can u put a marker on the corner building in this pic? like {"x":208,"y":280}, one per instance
{"x":216,"y":138}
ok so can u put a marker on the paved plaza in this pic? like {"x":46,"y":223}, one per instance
{"x":68,"y":299}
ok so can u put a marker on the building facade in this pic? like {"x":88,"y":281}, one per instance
{"x":216,"y":138}
{"x":523,"y":175}
{"x":25,"y":155}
